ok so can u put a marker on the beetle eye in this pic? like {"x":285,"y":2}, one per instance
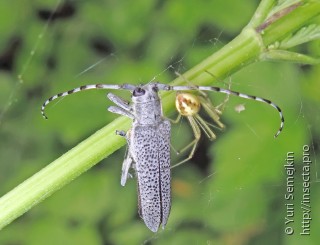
{"x":155,"y":89}
{"x":138,"y":92}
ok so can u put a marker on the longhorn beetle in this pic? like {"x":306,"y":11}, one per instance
{"x":149,"y":142}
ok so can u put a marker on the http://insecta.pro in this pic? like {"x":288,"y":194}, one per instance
{"x":149,"y":141}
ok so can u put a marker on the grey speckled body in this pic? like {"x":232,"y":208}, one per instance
{"x":148,"y":143}
{"x":149,"y":149}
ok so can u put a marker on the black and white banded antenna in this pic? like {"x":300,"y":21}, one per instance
{"x":235,"y":93}
{"x":83,"y":88}
{"x":165,"y":87}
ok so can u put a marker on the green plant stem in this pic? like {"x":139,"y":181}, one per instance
{"x":243,"y":50}
{"x":261,"y":13}
{"x":291,"y":22}
{"x":61,"y":171}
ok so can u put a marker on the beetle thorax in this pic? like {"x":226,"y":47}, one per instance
{"x":147,"y":105}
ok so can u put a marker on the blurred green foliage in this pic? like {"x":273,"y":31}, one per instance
{"x":231,"y":192}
